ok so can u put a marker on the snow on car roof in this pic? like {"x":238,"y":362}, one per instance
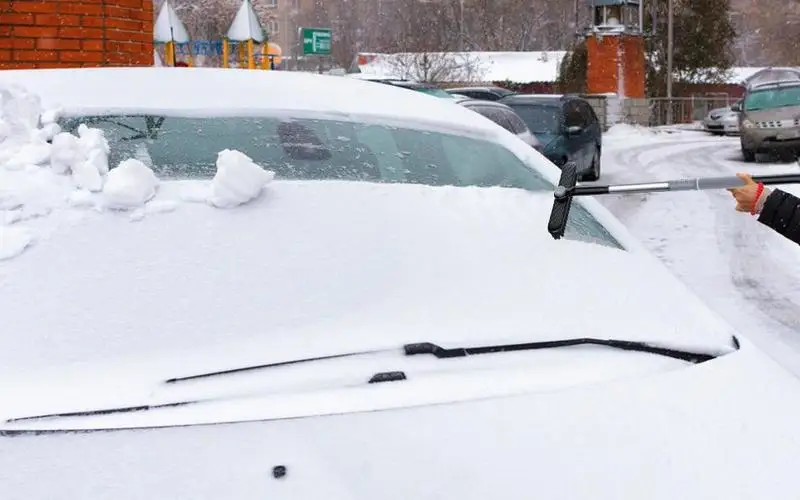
{"x":191,"y":91}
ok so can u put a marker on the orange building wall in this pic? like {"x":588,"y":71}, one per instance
{"x":67,"y":33}
{"x":610,"y":55}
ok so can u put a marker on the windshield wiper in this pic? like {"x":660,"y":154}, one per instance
{"x":458,"y":352}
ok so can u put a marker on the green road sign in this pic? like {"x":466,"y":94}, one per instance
{"x":316,"y":41}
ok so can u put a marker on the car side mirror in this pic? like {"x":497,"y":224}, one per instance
{"x":737,"y":108}
{"x":574,"y":130}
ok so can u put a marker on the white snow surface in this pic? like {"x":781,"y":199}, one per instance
{"x":245,"y":25}
{"x":741,"y":268}
{"x":238,"y":180}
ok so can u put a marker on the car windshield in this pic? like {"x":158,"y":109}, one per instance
{"x":772,"y":98}
{"x":540,"y":119}
{"x":314,"y":149}
{"x":434,"y":92}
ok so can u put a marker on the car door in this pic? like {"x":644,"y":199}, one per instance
{"x":576,"y":142}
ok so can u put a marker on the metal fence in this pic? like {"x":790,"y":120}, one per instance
{"x":676,"y":110}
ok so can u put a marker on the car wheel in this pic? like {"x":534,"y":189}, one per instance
{"x":594,"y":170}
{"x":749,"y":155}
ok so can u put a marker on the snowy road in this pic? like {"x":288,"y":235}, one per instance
{"x":748,"y":273}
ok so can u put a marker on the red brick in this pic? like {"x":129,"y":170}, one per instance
{"x":29,"y":6}
{"x":5,"y":5}
{"x":35,"y":32}
{"x":83,"y":9}
{"x":118,"y":12}
{"x":79,"y":56}
{"x":17,"y":65}
{"x":124,"y":24}
{"x":7,"y":18}
{"x":58,"y":44}
{"x":80,"y":33}
{"x":120,"y":36}
{"x":17,"y":43}
{"x":57,"y":20}
{"x":93,"y":21}
{"x":118,"y":58}
{"x":5,"y":30}
{"x":92,"y":45}
{"x":36,"y":55}
{"x":135,"y":4}
{"x":5,"y":55}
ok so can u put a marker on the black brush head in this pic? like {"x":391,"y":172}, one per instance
{"x":563,"y":200}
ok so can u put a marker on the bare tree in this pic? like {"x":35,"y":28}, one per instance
{"x":437,"y":67}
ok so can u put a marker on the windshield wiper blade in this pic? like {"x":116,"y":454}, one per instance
{"x":439,"y":352}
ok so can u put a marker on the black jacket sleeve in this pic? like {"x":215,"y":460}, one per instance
{"x":781,"y":212}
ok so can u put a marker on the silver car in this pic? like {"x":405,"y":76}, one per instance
{"x":723,"y":121}
{"x":770,"y":120}
{"x":504,"y":116}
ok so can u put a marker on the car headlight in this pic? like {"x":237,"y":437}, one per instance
{"x":748,"y":124}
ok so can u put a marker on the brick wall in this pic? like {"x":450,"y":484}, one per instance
{"x":67,"y":33}
{"x":608,"y":56}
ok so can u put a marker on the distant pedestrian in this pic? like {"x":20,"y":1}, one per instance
{"x":776,"y":209}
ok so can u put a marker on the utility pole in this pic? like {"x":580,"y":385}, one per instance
{"x":670,"y":41}
{"x":461,"y":26}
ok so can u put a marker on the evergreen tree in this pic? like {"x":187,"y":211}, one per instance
{"x":704,"y":37}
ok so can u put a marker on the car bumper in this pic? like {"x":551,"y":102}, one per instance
{"x":770,"y":145}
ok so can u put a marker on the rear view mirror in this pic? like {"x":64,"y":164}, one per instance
{"x":574,"y":130}
{"x":736,"y":107}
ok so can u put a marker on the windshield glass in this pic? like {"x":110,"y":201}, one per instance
{"x":435,"y":92}
{"x":313,"y":149}
{"x":772,"y":98}
{"x":541,"y":119}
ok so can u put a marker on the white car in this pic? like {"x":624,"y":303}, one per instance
{"x":723,"y":121}
{"x":386,"y":318}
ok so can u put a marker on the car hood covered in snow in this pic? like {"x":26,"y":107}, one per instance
{"x":314,"y":269}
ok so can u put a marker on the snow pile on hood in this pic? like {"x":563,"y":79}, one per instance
{"x":238,"y":180}
{"x":47,"y":175}
{"x":130,"y":185}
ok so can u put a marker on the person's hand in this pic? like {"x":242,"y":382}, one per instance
{"x":748,"y":196}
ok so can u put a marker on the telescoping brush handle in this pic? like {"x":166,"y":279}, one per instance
{"x":567,"y":189}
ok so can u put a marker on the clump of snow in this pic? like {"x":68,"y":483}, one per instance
{"x":13,"y":241}
{"x":130,"y":185}
{"x":238,"y":180}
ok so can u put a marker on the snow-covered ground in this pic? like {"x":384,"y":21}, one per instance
{"x":745,"y":271}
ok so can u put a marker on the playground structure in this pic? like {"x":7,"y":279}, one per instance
{"x":245,"y":40}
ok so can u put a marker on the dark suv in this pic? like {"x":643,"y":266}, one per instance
{"x":567,"y":127}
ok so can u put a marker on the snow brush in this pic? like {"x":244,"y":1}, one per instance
{"x":567,"y":189}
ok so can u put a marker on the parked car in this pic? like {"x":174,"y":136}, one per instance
{"x":505,"y":117}
{"x":425,"y":88}
{"x":723,"y":121}
{"x":770,"y":116}
{"x":371,"y":323}
{"x":567,"y":127}
{"x":488,"y":93}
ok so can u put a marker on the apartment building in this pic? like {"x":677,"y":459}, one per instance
{"x":283,"y":28}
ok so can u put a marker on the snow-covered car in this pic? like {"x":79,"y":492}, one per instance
{"x":723,"y":121}
{"x":335,"y":289}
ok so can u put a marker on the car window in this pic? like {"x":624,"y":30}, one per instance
{"x":326,"y":149}
{"x":517,"y":125}
{"x":540,"y":118}
{"x":572,"y":115}
{"x":772,"y":98}
{"x":589,"y":117}
{"x":313,"y":149}
{"x":494,"y":114}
